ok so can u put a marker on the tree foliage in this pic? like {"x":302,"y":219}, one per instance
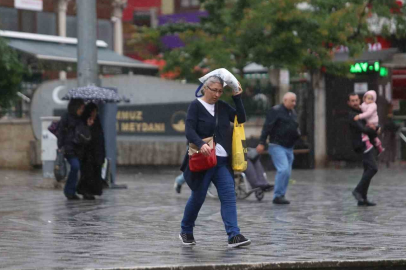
{"x":11,"y":74}
{"x":294,"y":34}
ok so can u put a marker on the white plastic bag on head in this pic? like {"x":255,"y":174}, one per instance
{"x":224,"y":74}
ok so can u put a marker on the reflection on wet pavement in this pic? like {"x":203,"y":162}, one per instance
{"x":39,"y":228}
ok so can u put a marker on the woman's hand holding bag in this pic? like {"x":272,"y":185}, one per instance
{"x":205,"y":150}
{"x":202,"y":160}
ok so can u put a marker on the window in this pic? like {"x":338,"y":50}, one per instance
{"x":142,"y":18}
{"x":46,"y":23}
{"x":71,"y":28}
{"x":189,"y":3}
{"x":28,"y":20}
{"x":185,"y":3}
{"x":8,"y":19}
{"x":105,"y":32}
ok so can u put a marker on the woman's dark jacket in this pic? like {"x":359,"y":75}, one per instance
{"x":92,"y":162}
{"x":201,"y":124}
{"x":96,"y":147}
{"x":72,"y":134}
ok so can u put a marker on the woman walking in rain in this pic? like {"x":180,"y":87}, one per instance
{"x":207,"y":116}
{"x":90,"y":183}
{"x":73,"y":134}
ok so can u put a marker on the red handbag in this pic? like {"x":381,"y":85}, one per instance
{"x":199,"y":162}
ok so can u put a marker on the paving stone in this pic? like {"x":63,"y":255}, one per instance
{"x":40,"y":229}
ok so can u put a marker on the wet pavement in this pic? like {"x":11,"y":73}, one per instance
{"x":40,"y":229}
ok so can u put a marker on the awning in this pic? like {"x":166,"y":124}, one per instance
{"x":61,"y":52}
{"x":397,"y":61}
{"x":382,"y":55}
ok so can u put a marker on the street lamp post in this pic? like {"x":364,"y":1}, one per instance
{"x":87,"y":72}
{"x":87,"y":50}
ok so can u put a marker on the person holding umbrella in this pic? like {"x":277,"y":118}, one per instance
{"x":90,"y":183}
{"x":73,"y":134}
{"x":96,"y":94}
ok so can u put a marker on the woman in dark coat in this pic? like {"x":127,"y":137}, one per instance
{"x":73,"y":134}
{"x":90,"y":183}
{"x":201,"y":123}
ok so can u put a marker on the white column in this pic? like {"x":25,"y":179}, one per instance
{"x":119,"y":6}
{"x":62,"y":8}
{"x":62,"y":75}
{"x":320,"y":140}
{"x":154,"y":17}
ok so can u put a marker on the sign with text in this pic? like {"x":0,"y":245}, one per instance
{"x":154,"y":119}
{"x":360,"y":88}
{"x":368,"y":67}
{"x":29,"y":4}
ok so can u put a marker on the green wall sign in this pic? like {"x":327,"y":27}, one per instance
{"x":366,"y":67}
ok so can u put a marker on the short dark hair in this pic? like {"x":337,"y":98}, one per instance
{"x":350,"y":95}
{"x":74,"y":105}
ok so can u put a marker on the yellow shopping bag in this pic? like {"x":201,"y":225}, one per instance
{"x":239,"y":147}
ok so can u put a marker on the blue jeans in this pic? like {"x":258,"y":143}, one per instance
{"x":224,"y":182}
{"x":282,"y":158}
{"x":180,"y":180}
{"x":70,"y":186}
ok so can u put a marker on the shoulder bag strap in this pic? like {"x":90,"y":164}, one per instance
{"x":216,"y":112}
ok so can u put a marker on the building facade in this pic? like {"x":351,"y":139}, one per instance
{"x":48,"y":19}
{"x":44,"y":34}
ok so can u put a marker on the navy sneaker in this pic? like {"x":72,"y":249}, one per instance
{"x":366,"y":203}
{"x":73,"y":197}
{"x":280,"y":200}
{"x":358,"y":196}
{"x":238,"y":241}
{"x":187,"y":239}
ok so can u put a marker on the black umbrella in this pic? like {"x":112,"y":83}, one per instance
{"x":94,"y":93}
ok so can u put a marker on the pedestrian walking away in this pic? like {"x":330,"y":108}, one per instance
{"x":358,"y":128}
{"x":201,"y":123}
{"x":370,"y":115}
{"x":73,"y":134}
{"x":90,"y":183}
{"x":282,"y":128}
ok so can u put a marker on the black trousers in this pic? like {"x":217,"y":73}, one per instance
{"x":90,"y":179}
{"x":370,"y":169}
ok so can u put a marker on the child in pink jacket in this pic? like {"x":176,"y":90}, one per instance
{"x":370,"y":114}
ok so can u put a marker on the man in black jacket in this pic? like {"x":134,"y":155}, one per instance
{"x":368,"y":155}
{"x":282,"y":128}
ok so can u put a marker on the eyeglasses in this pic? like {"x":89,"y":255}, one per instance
{"x":220,"y":92}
